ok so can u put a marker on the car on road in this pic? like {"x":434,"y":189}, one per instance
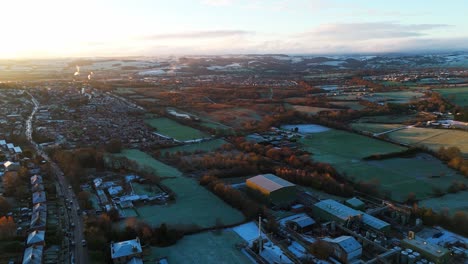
{"x":69,"y":187}
{"x":72,"y":242}
{"x":83,"y":243}
{"x":72,"y":224}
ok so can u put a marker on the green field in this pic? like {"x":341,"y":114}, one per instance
{"x":202,"y":146}
{"x":354,"y":105}
{"x":400,"y":176}
{"x":170,"y":128}
{"x":432,"y":138}
{"x":145,"y":189}
{"x":458,"y":95}
{"x":122,"y":91}
{"x":311,"y":109}
{"x":400,"y":97}
{"x":374,"y":128}
{"x":387,"y":119}
{"x":452,"y":202}
{"x":206,"y":247}
{"x":192,"y":200}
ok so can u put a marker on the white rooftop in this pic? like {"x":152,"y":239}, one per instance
{"x":35,"y":237}
{"x":125,"y":248}
{"x":33,"y":255}
{"x":349,"y":244}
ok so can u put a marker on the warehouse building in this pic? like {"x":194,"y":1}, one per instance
{"x":277,"y":190}
{"x":345,"y":248}
{"x":431,"y":252}
{"x":331,"y":210}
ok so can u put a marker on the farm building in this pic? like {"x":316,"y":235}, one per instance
{"x":431,"y":252}
{"x":277,"y":190}
{"x":345,"y":248}
{"x":331,"y":210}
{"x":128,"y":251}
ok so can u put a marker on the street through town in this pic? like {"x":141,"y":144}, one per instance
{"x":78,"y":253}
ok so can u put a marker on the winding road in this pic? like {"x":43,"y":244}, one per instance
{"x":78,"y":253}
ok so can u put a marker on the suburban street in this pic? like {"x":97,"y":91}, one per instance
{"x":79,"y":253}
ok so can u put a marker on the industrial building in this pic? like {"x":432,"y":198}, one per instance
{"x":431,"y":252}
{"x":300,"y":223}
{"x":277,"y":190}
{"x":331,"y":210}
{"x":355,"y":203}
{"x":346,"y":249}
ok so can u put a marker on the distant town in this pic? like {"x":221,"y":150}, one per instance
{"x":235,"y":159}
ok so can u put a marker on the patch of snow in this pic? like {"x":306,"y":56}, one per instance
{"x":248,"y":231}
{"x":298,"y":250}
{"x":152,"y":72}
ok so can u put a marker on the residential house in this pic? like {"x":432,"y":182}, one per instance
{"x":125,"y":251}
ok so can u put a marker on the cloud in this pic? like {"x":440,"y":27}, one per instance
{"x":367,"y":31}
{"x":217,"y":2}
{"x":199,"y":35}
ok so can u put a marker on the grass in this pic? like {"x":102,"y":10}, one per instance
{"x":354,"y":105}
{"x":400,"y":176}
{"x":194,"y":204}
{"x":202,"y":146}
{"x":311,"y":109}
{"x":208,"y":247}
{"x":374,"y":128}
{"x":458,"y":96}
{"x":121,"y":90}
{"x":168,"y":127}
{"x":388,"y":119}
{"x":400,"y":97}
{"x":432,"y":138}
{"x":451,"y":202}
{"x":145,"y":189}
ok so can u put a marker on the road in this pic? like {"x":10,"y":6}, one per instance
{"x":79,"y":254}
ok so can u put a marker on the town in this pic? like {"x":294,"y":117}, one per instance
{"x":163,"y":160}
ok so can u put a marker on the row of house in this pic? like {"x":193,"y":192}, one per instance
{"x":35,"y":241}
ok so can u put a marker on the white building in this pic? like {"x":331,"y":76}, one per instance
{"x":126,"y":251}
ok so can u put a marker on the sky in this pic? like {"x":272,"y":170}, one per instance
{"x":63,"y":28}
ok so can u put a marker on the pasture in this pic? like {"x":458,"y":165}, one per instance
{"x":170,"y":128}
{"x":194,"y":147}
{"x":374,"y":128}
{"x":452,"y":202}
{"x":192,"y":200}
{"x":401,"y":97}
{"x":311,"y":109}
{"x":458,"y":95}
{"x":399,"y":176}
{"x":354,"y":105}
{"x":432,"y":138}
{"x":215,"y":248}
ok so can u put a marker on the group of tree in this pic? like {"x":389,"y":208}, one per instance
{"x":454,"y":158}
{"x":237,"y":199}
{"x":7,"y":227}
{"x":455,"y":222}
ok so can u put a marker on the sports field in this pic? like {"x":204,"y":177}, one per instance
{"x":208,"y":247}
{"x":170,"y":128}
{"x":192,"y":200}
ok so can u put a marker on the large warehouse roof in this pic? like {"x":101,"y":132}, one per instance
{"x":270,"y":182}
{"x":337,"y":209}
{"x":344,"y":212}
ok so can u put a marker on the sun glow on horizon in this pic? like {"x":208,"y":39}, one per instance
{"x":57,"y":28}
